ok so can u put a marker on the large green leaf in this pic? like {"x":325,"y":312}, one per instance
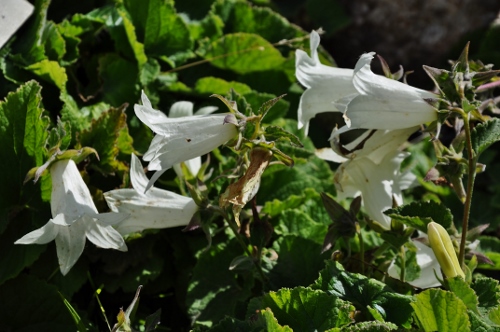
{"x":304,"y":309}
{"x":243,"y":17}
{"x":263,"y":320}
{"x":299,"y":262}
{"x":296,"y":222}
{"x":488,"y":292}
{"x":243,"y":53}
{"x":214,"y":85}
{"x":485,"y":134}
{"x":30,"y":304}
{"x":23,"y":132}
{"x":439,"y":310}
{"x":159,"y":27}
{"x":16,"y":257}
{"x":103,"y":135}
{"x":123,"y":90}
{"x":51,"y":72}
{"x":420,"y":214}
{"x":215,"y":291}
{"x":366,"y":294}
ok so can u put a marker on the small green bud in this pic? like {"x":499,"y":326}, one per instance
{"x":441,"y":244}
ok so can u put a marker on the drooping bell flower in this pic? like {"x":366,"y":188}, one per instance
{"x":154,"y":209}
{"x":181,"y":139}
{"x":74,"y":218}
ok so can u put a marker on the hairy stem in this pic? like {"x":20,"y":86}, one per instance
{"x":471,"y":176}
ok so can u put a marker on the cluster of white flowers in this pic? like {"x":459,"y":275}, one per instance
{"x":182,"y":137}
{"x":390,"y":111}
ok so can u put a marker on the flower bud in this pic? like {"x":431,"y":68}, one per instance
{"x":441,"y":244}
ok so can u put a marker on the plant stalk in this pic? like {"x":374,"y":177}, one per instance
{"x":471,"y":162}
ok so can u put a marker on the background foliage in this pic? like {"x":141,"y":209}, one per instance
{"x":71,"y":75}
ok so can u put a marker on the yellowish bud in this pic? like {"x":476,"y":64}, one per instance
{"x":442,"y":246}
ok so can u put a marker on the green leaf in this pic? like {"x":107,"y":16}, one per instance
{"x":363,"y":292}
{"x":266,"y":106}
{"x":241,"y":16}
{"x":149,"y":72}
{"x":275,"y":207}
{"x":243,"y":53}
{"x":23,"y":132}
{"x":262,"y":320}
{"x":464,"y":292}
{"x":214,"y":291}
{"x":485,"y":134}
{"x":296,"y":222}
{"x":33,"y":305}
{"x":51,"y":72}
{"x":487,"y":291}
{"x":412,"y":269}
{"x":419,"y":214}
{"x":274,"y":133}
{"x":494,"y":315}
{"x":299,"y":262}
{"x":103,"y":136}
{"x":158,"y":25}
{"x":213,"y":85}
{"x":137,"y":48}
{"x":372,"y":326}
{"x":16,"y":257}
{"x":304,"y":309}
{"x":54,"y":43}
{"x":60,"y":136}
{"x":76,"y":317}
{"x":152,"y":321}
{"x":439,"y":310}
{"x":31,"y":47}
{"x":256,"y":99}
{"x":121,"y":90}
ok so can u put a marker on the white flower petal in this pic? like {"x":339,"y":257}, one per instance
{"x":378,"y":184}
{"x":330,"y":155}
{"x":70,"y":194}
{"x":156,"y":143}
{"x":138,"y":179}
{"x":145,"y":100}
{"x":70,"y":242}
{"x":387,"y":112}
{"x":105,"y":236}
{"x":324,"y":84}
{"x":202,"y":138}
{"x":157,"y":209}
{"x":180,"y":109}
{"x":43,"y":235}
{"x":193,"y":166}
{"x":206,"y":110}
{"x":428,"y":264}
{"x":368,"y":83}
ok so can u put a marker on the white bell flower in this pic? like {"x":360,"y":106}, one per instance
{"x":74,"y":218}
{"x":181,"y":139}
{"x":429,"y":268}
{"x":154,"y":209}
{"x":377,"y":184}
{"x":383,"y":103}
{"x":324,"y":84}
{"x":181,"y":109}
{"x":374,"y":171}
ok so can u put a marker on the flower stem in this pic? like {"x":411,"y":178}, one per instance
{"x":361,"y":248}
{"x":402,"y":254}
{"x":471,"y":176}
